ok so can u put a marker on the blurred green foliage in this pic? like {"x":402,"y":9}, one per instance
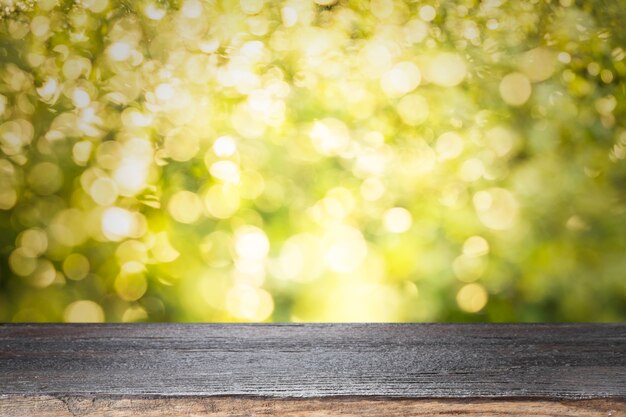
{"x":254,"y":160}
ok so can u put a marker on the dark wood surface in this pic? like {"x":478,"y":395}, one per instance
{"x":414,"y":361}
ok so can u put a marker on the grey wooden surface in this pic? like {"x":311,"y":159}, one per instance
{"x":565,"y":361}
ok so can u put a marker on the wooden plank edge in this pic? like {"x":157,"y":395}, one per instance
{"x":223,"y":406}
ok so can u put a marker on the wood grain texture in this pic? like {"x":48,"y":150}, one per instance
{"x":415,"y":361}
{"x":49,"y":406}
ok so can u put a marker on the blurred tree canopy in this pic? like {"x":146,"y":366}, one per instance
{"x":299,"y":160}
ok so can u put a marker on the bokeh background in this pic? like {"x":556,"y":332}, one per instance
{"x":299,"y":160}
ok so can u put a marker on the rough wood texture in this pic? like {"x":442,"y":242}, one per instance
{"x":48,"y":406}
{"x":568,"y":361}
{"x":313,"y":369}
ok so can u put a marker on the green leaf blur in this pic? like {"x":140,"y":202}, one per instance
{"x":299,"y":160}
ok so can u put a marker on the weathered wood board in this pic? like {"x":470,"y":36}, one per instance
{"x":49,"y":406}
{"x":313,"y":369}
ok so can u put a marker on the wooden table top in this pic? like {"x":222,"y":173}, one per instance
{"x":418,"y":361}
